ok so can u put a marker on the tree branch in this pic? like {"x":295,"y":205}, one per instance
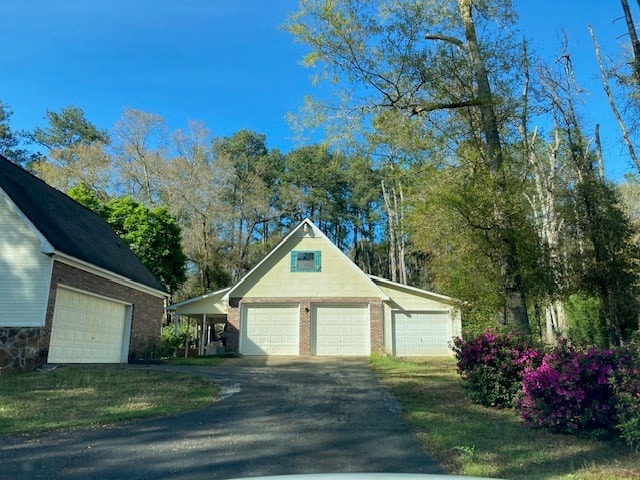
{"x":448,"y":39}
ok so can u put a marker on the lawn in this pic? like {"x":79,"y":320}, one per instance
{"x":82,"y":396}
{"x":467,"y":439}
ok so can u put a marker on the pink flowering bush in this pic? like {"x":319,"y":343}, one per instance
{"x":492,"y":365}
{"x":570,"y":391}
{"x":625,"y":381}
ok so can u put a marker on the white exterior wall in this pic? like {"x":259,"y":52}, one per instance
{"x":25,"y":272}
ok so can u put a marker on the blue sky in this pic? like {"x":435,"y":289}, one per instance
{"x":225,"y":63}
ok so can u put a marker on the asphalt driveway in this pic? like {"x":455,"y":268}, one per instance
{"x":275,"y":417}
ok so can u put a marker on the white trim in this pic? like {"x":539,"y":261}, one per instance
{"x":45,"y":246}
{"x":92,"y":294}
{"x":438,"y":296}
{"x":305,"y":225}
{"x":126,"y":341}
{"x":173,"y":306}
{"x":101,"y":272}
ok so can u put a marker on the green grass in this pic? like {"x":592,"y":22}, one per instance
{"x":468,"y":439}
{"x":78,"y":396}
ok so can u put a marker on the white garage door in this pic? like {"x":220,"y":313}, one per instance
{"x":87,"y":329}
{"x":270,"y":330}
{"x":341,"y":330}
{"x":422,"y":333}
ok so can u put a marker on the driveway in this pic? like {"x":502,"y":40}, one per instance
{"x":275,"y":417}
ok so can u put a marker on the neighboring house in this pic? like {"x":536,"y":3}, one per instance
{"x":306,"y":297}
{"x":71,"y":291}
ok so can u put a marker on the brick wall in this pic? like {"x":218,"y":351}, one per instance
{"x":28,"y":348}
{"x":375,"y":316}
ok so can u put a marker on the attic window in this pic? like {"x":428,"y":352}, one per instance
{"x":306,"y":261}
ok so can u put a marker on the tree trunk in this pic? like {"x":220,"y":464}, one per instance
{"x":607,"y":89}
{"x":516,"y":310}
{"x":635,"y":44}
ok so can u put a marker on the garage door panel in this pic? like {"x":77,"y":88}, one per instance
{"x":341,"y":330}
{"x":270,"y":330}
{"x":87,"y":329}
{"x":422,"y":333}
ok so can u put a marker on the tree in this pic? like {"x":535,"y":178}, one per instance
{"x":83,"y":194}
{"x":140,"y":154}
{"x":10,"y":140}
{"x":604,"y":258}
{"x":247,"y":173}
{"x":152,"y":234}
{"x":75,"y":151}
{"x":378,"y":52}
{"x":318,"y":176}
{"x":66,"y":129}
{"x":195,"y":194}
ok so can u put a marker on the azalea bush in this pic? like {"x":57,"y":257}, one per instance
{"x":570,"y":391}
{"x":492,"y":365}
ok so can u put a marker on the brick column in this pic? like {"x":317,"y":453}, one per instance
{"x":305,"y":329}
{"x":233,"y":325}
{"x":376,"y":310}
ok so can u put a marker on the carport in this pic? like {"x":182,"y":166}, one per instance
{"x":209,"y":312}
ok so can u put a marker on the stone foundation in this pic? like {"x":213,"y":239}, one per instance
{"x":20,"y":349}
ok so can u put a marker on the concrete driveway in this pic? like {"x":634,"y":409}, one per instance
{"x":275,"y":417}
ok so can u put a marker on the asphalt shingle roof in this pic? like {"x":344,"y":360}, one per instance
{"x":70,"y":227}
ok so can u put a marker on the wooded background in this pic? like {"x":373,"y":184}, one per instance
{"x":453,"y":159}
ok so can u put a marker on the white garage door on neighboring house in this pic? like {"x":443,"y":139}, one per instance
{"x":270,"y":330}
{"x":422,"y":333}
{"x":88,"y":329}
{"x":341,"y":330}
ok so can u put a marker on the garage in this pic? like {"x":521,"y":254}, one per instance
{"x":270,"y":330}
{"x":341,"y":330}
{"x":88,"y":329}
{"x":422,"y":333}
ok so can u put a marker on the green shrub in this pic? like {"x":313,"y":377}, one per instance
{"x":170,"y":340}
{"x":625,"y":381}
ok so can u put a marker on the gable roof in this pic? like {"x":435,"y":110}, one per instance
{"x":70,"y":228}
{"x":308,"y":227}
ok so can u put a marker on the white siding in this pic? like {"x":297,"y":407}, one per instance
{"x":25,"y":272}
{"x":337,"y":278}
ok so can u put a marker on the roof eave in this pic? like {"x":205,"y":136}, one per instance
{"x":438,"y":296}
{"x":89,"y":267}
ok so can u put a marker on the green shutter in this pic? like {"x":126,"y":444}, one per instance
{"x":317,"y":256}
{"x":294,"y":261}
